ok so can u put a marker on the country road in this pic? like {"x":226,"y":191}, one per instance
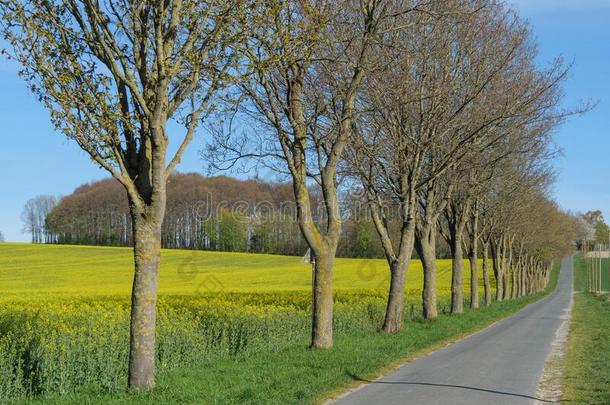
{"x":499,"y":365}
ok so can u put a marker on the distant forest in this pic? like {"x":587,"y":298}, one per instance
{"x":208,"y":213}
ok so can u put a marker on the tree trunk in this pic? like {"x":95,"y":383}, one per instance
{"x":522,"y":277}
{"x":425,"y":244}
{"x":507,"y":269}
{"x":395,"y":311}
{"x":147,"y":255}
{"x":396,"y":299}
{"x":324,"y":248}
{"x":399,"y":265}
{"x":506,"y":283}
{"x":322,"y":311}
{"x":457,"y":274}
{"x":474,"y":278}
{"x":497,"y":248}
{"x":515,"y":285}
{"x":486,"y":285}
{"x":473,"y":257}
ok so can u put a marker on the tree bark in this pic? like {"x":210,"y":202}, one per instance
{"x":425,"y":244}
{"x":522,"y":277}
{"x":515,"y":285}
{"x":147,"y":255}
{"x":324,"y":247}
{"x":399,"y":267}
{"x":457,"y":274}
{"x":506,"y":283}
{"x":322,"y":311}
{"x":507,"y":271}
{"x":474,"y":278}
{"x":497,"y":253}
{"x":396,"y":298}
{"x":457,"y":215}
{"x":473,"y":257}
{"x":486,"y":284}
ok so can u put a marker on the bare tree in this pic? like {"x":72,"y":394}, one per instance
{"x":34,"y":217}
{"x":113,"y":74}
{"x":306,"y":61}
{"x":388,"y":156}
{"x":500,"y":97}
{"x":461,"y":103}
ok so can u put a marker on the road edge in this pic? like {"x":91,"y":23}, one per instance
{"x":550,"y":383}
{"x":347,"y":389}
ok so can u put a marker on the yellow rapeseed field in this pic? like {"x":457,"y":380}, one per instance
{"x":64,"y":310}
{"x":87,"y":271}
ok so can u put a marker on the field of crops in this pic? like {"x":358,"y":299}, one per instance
{"x":64,"y":310}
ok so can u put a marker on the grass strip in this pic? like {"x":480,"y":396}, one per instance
{"x":587,"y":366}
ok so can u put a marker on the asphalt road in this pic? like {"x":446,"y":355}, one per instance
{"x":499,"y":365}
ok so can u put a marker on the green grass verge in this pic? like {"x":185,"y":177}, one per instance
{"x":297,"y":375}
{"x":587,"y":364}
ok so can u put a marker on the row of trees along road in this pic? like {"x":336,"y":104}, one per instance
{"x":433,"y":108}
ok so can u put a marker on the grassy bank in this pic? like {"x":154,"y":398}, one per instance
{"x":295,"y":375}
{"x":587,"y":363}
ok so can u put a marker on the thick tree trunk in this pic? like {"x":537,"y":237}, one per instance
{"x":147,"y":255}
{"x":457,"y":274}
{"x":425,"y":244}
{"x":322,"y":311}
{"x":324,"y":247}
{"x":394,"y":314}
{"x":399,"y":266}
{"x":486,"y":284}
{"x":395,"y":311}
{"x":457,"y":216}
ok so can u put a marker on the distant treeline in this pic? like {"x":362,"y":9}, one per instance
{"x":209,"y":213}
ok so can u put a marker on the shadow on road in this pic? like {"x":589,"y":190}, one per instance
{"x":464,"y":387}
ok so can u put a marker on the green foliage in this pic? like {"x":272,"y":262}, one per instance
{"x":601,"y":232}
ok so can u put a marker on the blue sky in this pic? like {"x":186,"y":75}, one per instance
{"x":35,"y":160}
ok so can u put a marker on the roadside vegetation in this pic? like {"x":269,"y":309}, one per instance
{"x":587,"y":375}
{"x":248,"y":347}
{"x":430,"y":122}
{"x":64,"y":311}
